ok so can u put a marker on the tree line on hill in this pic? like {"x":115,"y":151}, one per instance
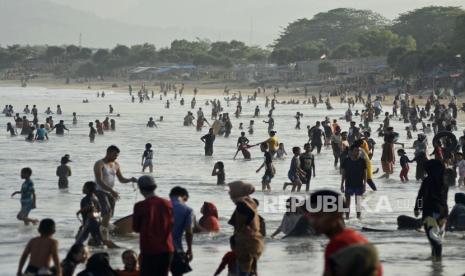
{"x":414,"y":43}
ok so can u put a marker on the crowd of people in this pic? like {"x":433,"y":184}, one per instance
{"x":166,"y":225}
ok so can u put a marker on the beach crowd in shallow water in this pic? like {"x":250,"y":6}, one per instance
{"x":166,"y":226}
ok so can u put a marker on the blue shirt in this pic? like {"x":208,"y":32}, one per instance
{"x":27,"y":190}
{"x":182,"y":218}
{"x":41,"y":132}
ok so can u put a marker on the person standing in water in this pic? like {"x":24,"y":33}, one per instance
{"x":432,"y":202}
{"x":147,"y":158}
{"x":307,"y":164}
{"x":74,"y":118}
{"x":218,"y":171}
{"x":208,"y":139}
{"x":106,"y":170}
{"x":60,"y":128}
{"x":269,"y":168}
{"x":92,"y":132}
{"x":354,"y":179}
{"x":153,"y":215}
{"x":28,"y":197}
{"x":41,"y":133}
{"x":63,"y":172}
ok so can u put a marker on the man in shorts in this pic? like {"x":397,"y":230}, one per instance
{"x":106,"y":171}
{"x":354,"y":179}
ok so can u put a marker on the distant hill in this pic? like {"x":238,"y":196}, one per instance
{"x":43,"y":22}
{"x":46,"y":22}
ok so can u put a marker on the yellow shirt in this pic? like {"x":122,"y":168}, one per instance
{"x":273,"y":143}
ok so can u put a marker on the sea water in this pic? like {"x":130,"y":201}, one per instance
{"x":179,"y":160}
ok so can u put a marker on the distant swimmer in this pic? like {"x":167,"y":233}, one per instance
{"x":218,"y":171}
{"x":59,"y":112}
{"x":63,"y":172}
{"x":92,"y":132}
{"x":113,"y":124}
{"x":99,"y":127}
{"x":74,"y":118}
{"x":48,"y":111}
{"x":208,"y":139}
{"x":151,"y":123}
{"x":60,"y":128}
{"x":147,"y":158}
{"x":41,"y":133}
{"x":110,"y":108}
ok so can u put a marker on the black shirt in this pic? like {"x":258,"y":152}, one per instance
{"x":209,"y":139}
{"x":354,"y":171}
{"x":316,"y":135}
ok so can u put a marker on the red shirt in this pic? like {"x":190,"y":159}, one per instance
{"x":210,"y":223}
{"x":153,"y":219}
{"x":343,"y":239}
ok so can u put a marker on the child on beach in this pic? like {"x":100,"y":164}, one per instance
{"x":218,"y":170}
{"x":147,"y":158}
{"x":40,"y":251}
{"x":404,"y":165}
{"x":270,"y":171}
{"x":229,"y":259}
{"x":131,"y":264}
{"x":90,"y":212}
{"x":28,"y":197}
{"x":63,"y":172}
{"x":281,"y":151}
{"x":295,"y":171}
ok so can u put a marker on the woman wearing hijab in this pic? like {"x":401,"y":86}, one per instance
{"x":432,"y":201}
{"x":246,"y":223}
{"x":209,"y":220}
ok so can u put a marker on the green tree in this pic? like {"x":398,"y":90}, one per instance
{"x":377,"y":42}
{"x":85,"y":53}
{"x":281,"y":56}
{"x":346,"y":50}
{"x":54,"y":52}
{"x":394,"y":55}
{"x":120,"y":51}
{"x":409,"y":64}
{"x":257,"y":55}
{"x":428,"y":25}
{"x":100,"y":56}
{"x":72,"y":51}
{"x":331,"y":28}
{"x":145,"y":53}
{"x":458,"y":39}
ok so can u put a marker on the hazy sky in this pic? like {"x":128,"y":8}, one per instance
{"x":265,"y":17}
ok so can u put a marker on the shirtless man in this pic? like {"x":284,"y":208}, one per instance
{"x":106,"y":171}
